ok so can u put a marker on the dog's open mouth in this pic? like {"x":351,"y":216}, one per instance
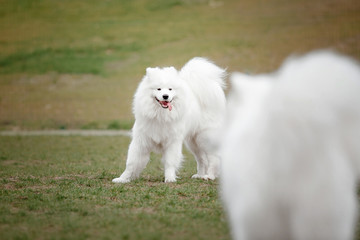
{"x":165,"y":104}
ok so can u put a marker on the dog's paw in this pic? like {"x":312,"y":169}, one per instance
{"x":205,"y":177}
{"x":121,"y":180}
{"x":209,"y":177}
{"x":170,"y":179}
{"x":196,"y":176}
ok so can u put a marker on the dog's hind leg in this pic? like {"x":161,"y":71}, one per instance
{"x":207,"y":161}
{"x":138,"y":157}
{"x":191,"y":144}
{"x":201,"y":162}
{"x":213,"y":166}
{"x":207,"y":166}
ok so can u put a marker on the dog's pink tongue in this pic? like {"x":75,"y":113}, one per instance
{"x":169,"y":105}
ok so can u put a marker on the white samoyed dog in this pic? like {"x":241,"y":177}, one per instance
{"x":291,"y":151}
{"x":171,"y":107}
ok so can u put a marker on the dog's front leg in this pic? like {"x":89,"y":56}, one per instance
{"x":138,"y":157}
{"x":172,"y":159}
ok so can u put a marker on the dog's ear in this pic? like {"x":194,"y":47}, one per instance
{"x":171,"y":71}
{"x":150,"y":72}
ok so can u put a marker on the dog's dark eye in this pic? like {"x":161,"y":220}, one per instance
{"x":159,"y":89}
{"x":170,"y":89}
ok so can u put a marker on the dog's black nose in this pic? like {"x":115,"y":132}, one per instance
{"x":165,"y":96}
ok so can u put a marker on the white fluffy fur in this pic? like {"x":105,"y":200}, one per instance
{"x":198,"y":106}
{"x":291,"y":151}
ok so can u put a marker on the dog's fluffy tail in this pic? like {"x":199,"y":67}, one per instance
{"x":207,"y":82}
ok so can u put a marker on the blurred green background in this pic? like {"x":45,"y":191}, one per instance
{"x":76,"y":64}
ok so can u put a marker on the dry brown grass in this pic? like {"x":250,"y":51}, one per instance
{"x":119,"y":40}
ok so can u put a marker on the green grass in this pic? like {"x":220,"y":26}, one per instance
{"x":76,"y":64}
{"x":60,"y":188}
{"x":65,"y":60}
{"x":120,"y":125}
{"x":72,"y":63}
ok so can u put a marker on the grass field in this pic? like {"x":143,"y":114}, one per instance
{"x":76,"y":64}
{"x":60,"y":188}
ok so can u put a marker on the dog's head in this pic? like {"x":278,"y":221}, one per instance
{"x":163,"y":84}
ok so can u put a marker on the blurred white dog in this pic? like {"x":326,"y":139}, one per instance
{"x":171,"y":106}
{"x":291,"y":151}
